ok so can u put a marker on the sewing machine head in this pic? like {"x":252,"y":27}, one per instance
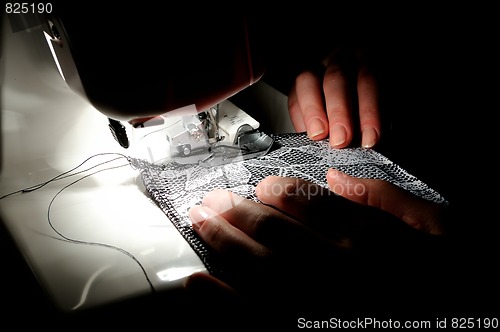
{"x":137,"y":67}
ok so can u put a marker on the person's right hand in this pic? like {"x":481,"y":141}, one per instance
{"x":306,"y":238}
{"x":323,"y":104}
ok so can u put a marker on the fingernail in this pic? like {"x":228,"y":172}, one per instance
{"x":333,"y":174}
{"x":369,"y":138}
{"x":198,"y":215}
{"x":315,"y":127}
{"x":338,"y":135}
{"x":334,"y":181}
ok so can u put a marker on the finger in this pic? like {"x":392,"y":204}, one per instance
{"x":208,"y":286}
{"x":223,"y":237}
{"x":317,"y":208}
{"x":295,"y":112}
{"x":247,"y":216}
{"x":267,"y":225}
{"x":369,"y":115}
{"x":310,"y":204}
{"x":243,"y":260}
{"x":215,"y":297}
{"x":338,"y":105}
{"x":413,"y":210}
{"x":301,"y":199}
{"x":307,"y":104}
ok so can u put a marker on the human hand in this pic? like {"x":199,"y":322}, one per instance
{"x":304,"y":228}
{"x":324,"y":104}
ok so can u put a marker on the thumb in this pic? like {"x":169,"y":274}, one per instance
{"x":413,"y":210}
{"x":208,"y":286}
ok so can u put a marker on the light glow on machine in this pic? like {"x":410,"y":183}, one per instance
{"x":50,"y":40}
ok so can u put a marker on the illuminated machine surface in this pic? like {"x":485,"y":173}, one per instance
{"x":92,"y":235}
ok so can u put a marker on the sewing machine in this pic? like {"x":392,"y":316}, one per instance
{"x":194,"y":72}
{"x":94,"y":237}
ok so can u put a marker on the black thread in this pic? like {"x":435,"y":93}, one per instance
{"x":67,"y":174}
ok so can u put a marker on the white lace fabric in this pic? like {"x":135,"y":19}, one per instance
{"x":177,"y":187}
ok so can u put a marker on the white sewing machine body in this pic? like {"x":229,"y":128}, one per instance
{"x":93,"y":237}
